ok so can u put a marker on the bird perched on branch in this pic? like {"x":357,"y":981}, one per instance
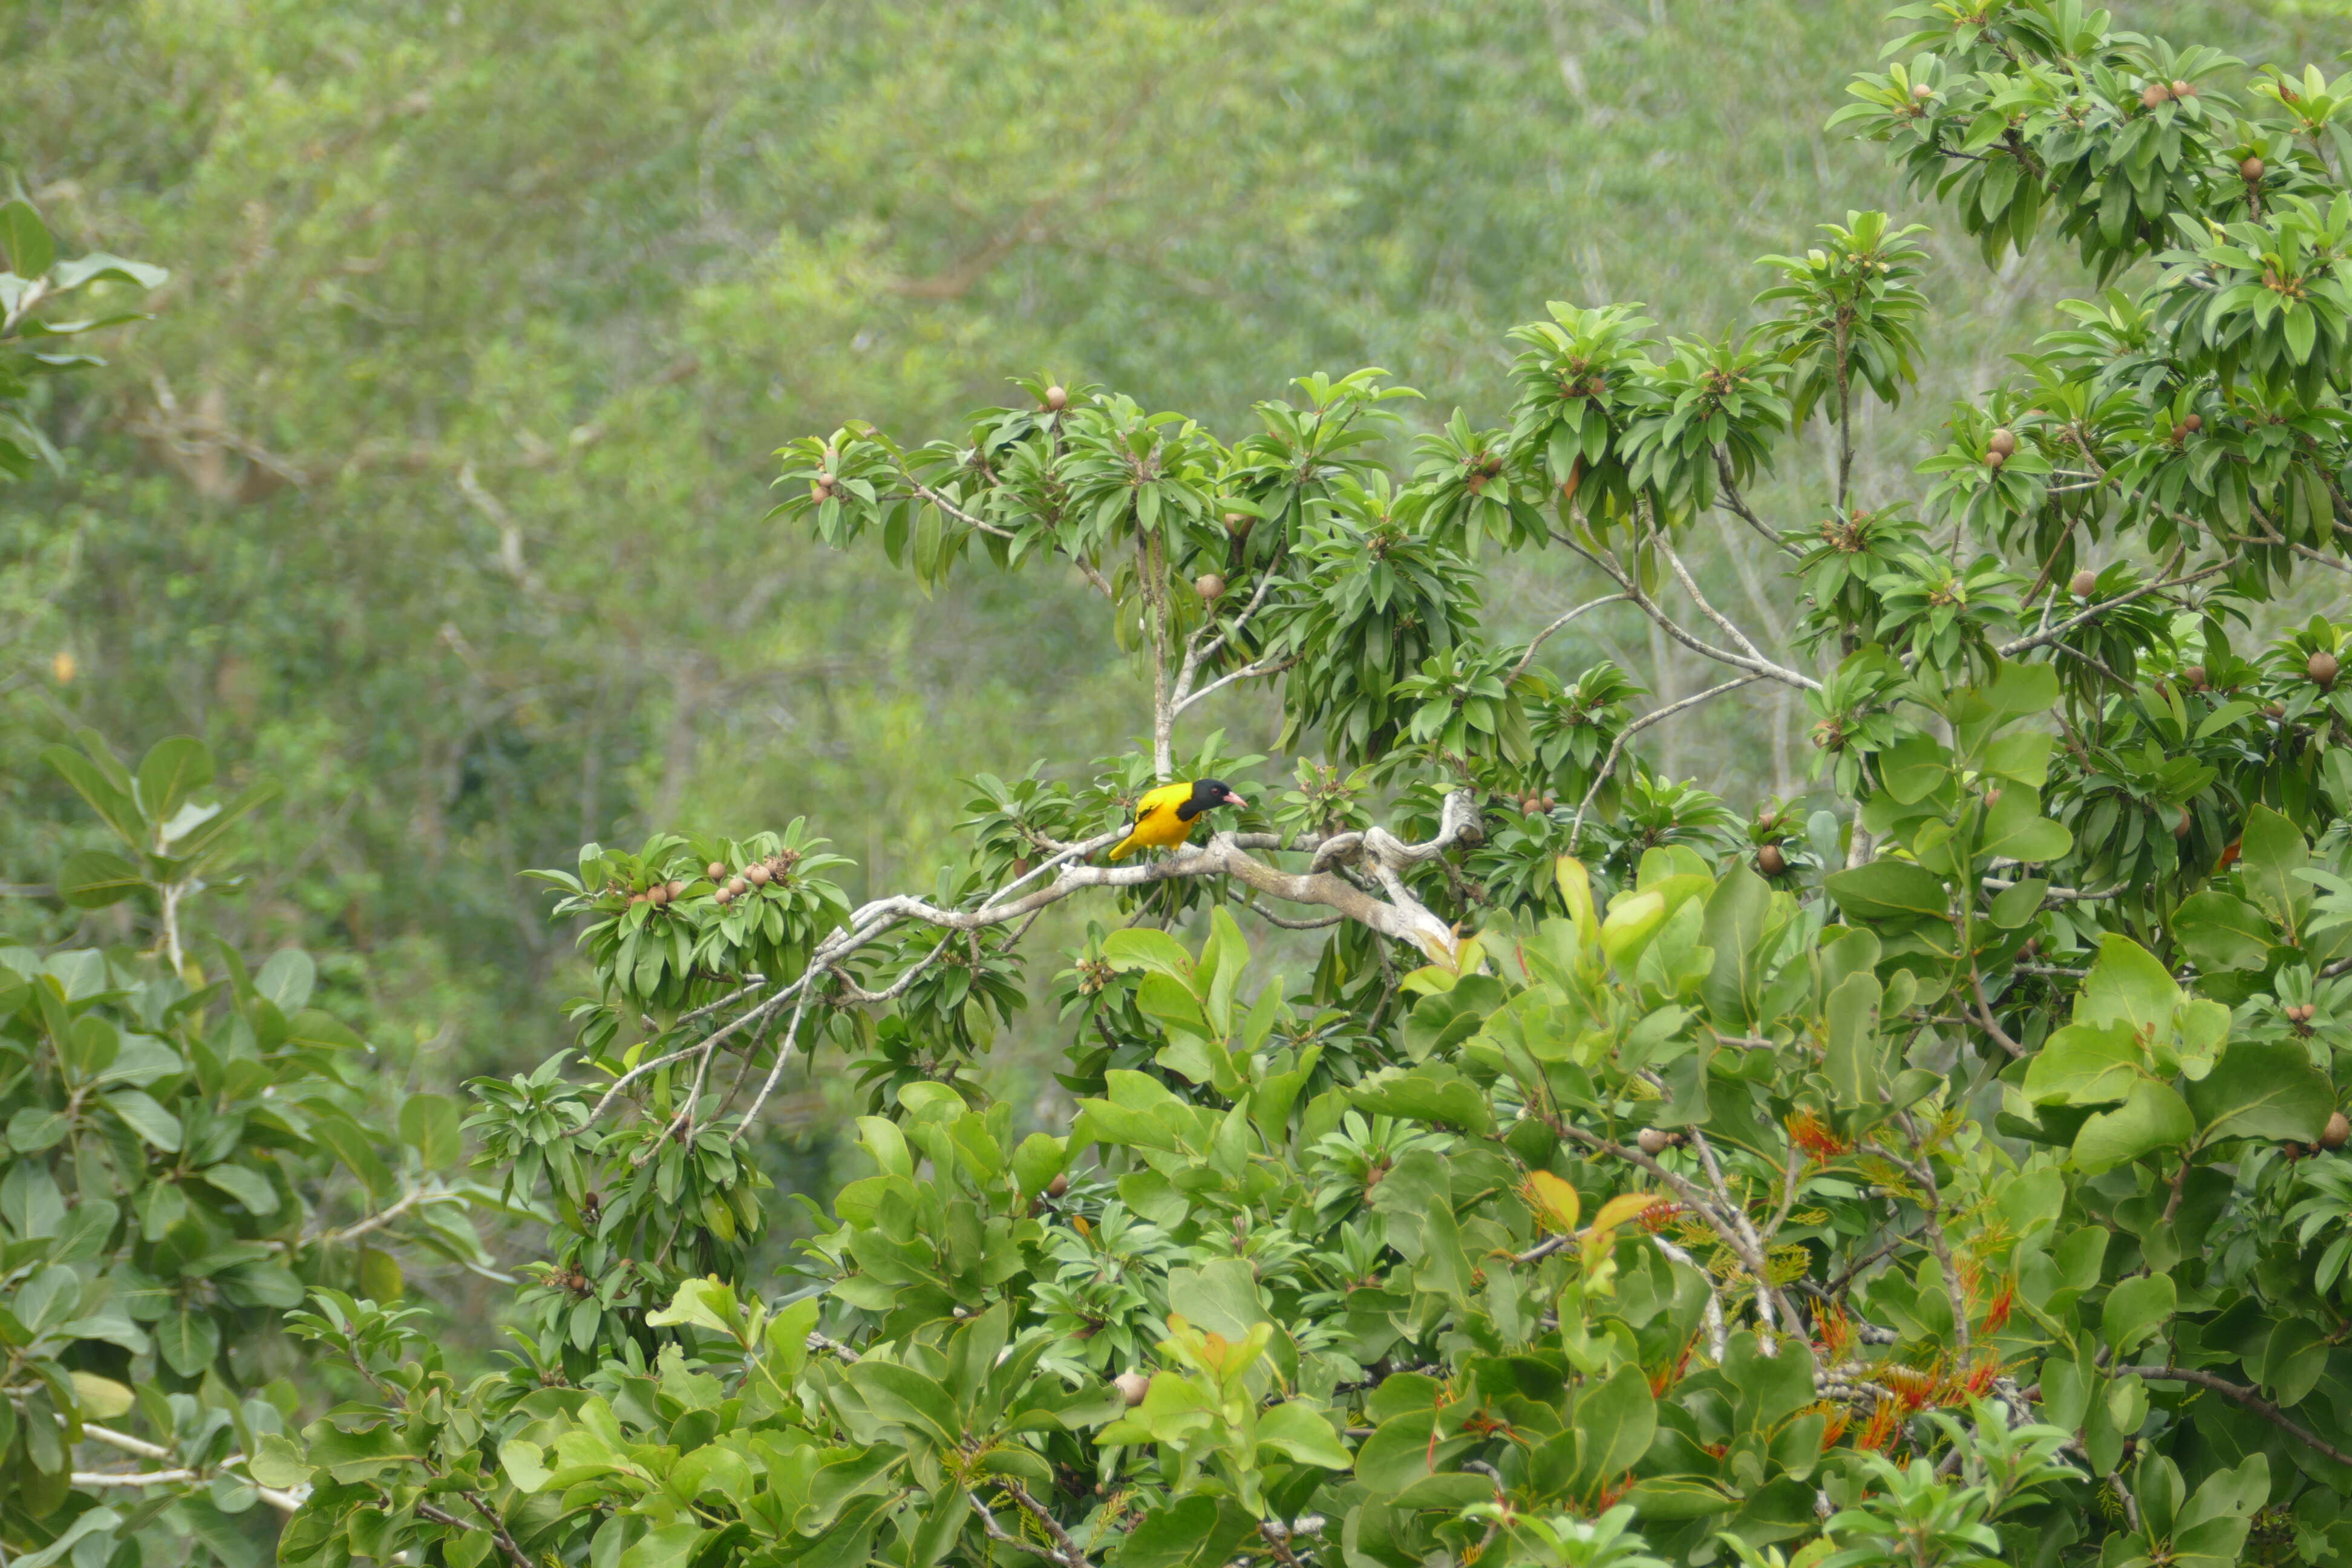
{"x":1165,"y":816}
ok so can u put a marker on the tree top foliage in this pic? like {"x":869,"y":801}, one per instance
{"x":1946,"y":1177}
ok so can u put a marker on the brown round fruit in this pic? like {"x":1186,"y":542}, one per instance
{"x":1056,"y":398}
{"x":2193,"y":422}
{"x":2182,"y":824}
{"x":722,"y":898}
{"x":2084,"y":581}
{"x":756,"y":874}
{"x":1057,"y":1186}
{"x":1771,"y":862}
{"x":737,"y":887}
{"x":1133,"y":1386}
{"x":658,"y":894}
{"x":1921,"y":92}
{"x":2154,"y":95}
{"x":2003,"y":440}
{"x":2275,"y":710}
{"x":2250,"y":170}
{"x":714,"y":871}
{"x":2182,"y":90}
{"x":676,"y":889}
{"x":2322,"y":668}
{"x":2338,"y":1133}
{"x":1994,"y":459}
{"x":1655,"y":1141}
{"x":2195,"y":676}
{"x":1210,"y":584}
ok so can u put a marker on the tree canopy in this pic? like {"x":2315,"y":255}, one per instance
{"x":1941,"y":1168}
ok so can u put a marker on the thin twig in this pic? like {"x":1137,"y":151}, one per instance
{"x":1528,"y":657}
{"x":1617,"y":747}
{"x":2244,"y":1397}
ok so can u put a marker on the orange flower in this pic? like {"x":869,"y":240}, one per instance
{"x":1659,"y":1215}
{"x":1915,"y":1389}
{"x":2004,"y":1300}
{"x":1883,"y":1421}
{"x":1809,"y":1132}
{"x":1836,"y":1331}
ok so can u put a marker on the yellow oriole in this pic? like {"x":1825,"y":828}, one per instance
{"x":1165,"y":816}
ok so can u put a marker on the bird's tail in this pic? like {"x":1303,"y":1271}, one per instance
{"x":1118,"y":851}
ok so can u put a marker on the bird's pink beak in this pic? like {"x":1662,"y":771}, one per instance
{"x":1234,"y":800}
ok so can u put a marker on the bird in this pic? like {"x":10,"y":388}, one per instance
{"x":1165,"y":816}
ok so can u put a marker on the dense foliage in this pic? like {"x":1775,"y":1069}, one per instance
{"x":184,"y":1134}
{"x":1948,"y":1178}
{"x":1946,"y":1174}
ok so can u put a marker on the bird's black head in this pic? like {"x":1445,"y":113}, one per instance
{"x":1208,"y":793}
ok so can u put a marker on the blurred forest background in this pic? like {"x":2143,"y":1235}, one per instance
{"x":435,"y":488}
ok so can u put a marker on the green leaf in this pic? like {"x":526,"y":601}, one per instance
{"x":2270,"y":853}
{"x":1434,"y":1094}
{"x":2015,"y":829}
{"x":98,"y":1521}
{"x":2151,"y":1118}
{"x":524,"y":1463}
{"x":99,"y":266}
{"x":907,"y":1397}
{"x":278,"y":1462}
{"x":2126,"y":985}
{"x":2086,"y":1063}
{"x":141,"y":1113}
{"x":1914,"y":768}
{"x":95,"y":879}
{"x":30,"y":249}
{"x":707,"y":1303}
{"x":1152,"y":951}
{"x":1298,"y":1429}
{"x":2263,"y":1089}
{"x":351,"y":1146}
{"x":1667,"y":1498}
{"x":1888,"y":889}
{"x":2217,"y":931}
{"x":428,"y":1124}
{"x":172,"y":770}
{"x":287,"y":979}
{"x":1852,"y":1057}
{"x":2135,"y":1309}
{"x":1614,"y":1425}
{"x":114,"y":805}
{"x":247,"y":1186}
{"x":187,"y":1341}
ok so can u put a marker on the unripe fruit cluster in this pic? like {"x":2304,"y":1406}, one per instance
{"x":2301,"y":1012}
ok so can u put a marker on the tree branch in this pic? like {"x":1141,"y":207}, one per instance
{"x":2244,"y":1397}
{"x":1528,"y":657}
{"x":2035,"y":640}
{"x":1617,"y":747}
